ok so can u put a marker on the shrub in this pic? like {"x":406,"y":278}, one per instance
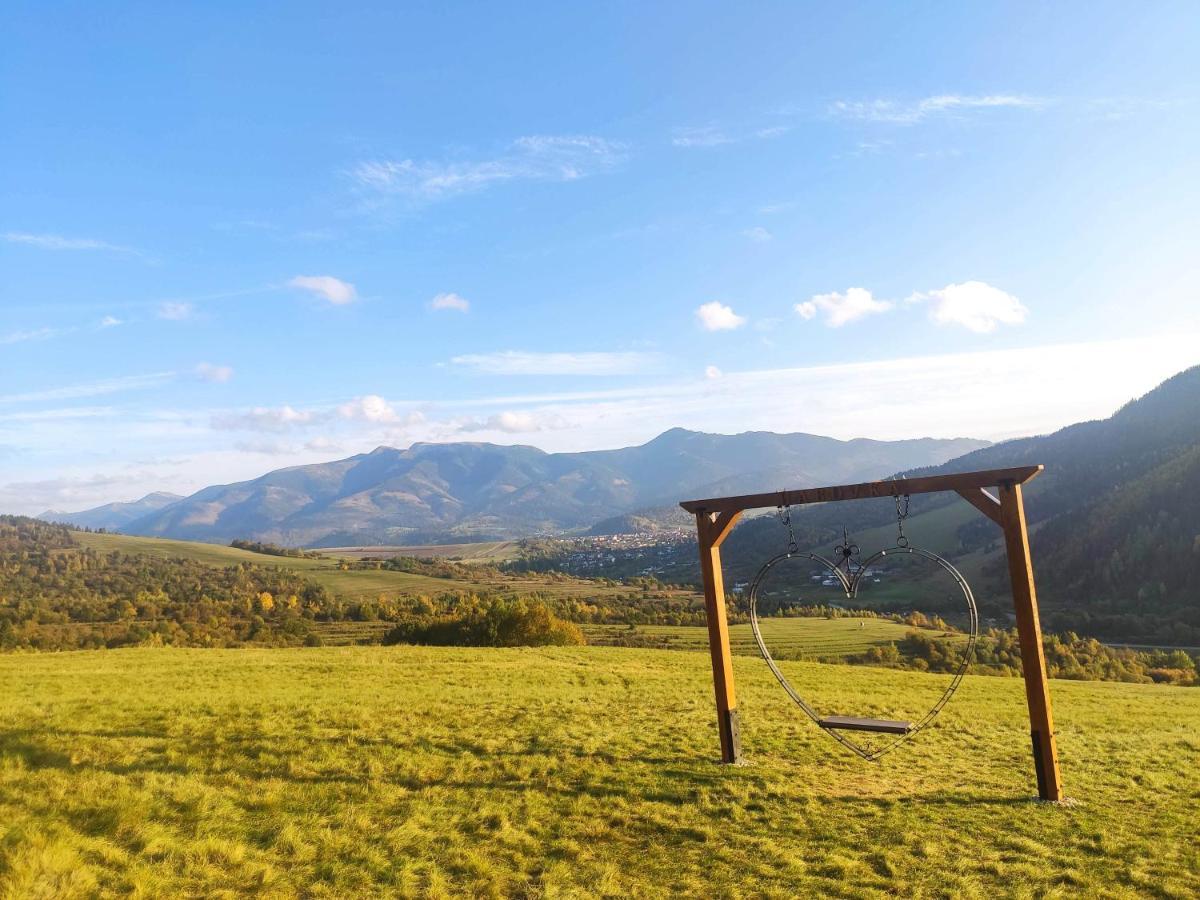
{"x":496,"y":622}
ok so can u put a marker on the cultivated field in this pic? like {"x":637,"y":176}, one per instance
{"x":567,"y":772}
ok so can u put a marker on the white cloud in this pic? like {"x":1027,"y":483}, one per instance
{"x":758,"y":234}
{"x":334,"y":290}
{"x":716,"y":316}
{"x":262,"y":418}
{"x":369,"y":408}
{"x":58,"y":242}
{"x":34,"y":334}
{"x":842,"y":308}
{"x":175,"y":311}
{"x":216,"y":374}
{"x":974,"y":305}
{"x":517,"y":362}
{"x":110,"y":322}
{"x":712,"y":373}
{"x":535,"y":158}
{"x":910,"y":113}
{"x":450,"y":301}
{"x":520,"y":422}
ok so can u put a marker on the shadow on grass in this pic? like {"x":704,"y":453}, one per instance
{"x":20,"y":744}
{"x":645,"y":782}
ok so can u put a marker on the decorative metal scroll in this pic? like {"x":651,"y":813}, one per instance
{"x":850,"y":584}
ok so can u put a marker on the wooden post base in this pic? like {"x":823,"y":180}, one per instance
{"x":731,"y":737}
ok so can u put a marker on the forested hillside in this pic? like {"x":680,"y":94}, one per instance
{"x":1115,"y":520}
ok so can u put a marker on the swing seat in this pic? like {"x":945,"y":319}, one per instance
{"x":851,"y":723}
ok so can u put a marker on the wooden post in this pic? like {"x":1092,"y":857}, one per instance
{"x":711,"y":530}
{"x":1029,"y":630}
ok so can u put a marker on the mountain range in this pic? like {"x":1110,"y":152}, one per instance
{"x":113,"y":516}
{"x":464,"y":490}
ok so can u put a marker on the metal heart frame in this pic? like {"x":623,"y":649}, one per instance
{"x":850,"y":587}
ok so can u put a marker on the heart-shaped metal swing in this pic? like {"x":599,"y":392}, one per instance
{"x":850,"y":580}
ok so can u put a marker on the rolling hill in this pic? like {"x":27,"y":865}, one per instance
{"x":432,"y":492}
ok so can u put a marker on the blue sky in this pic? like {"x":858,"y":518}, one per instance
{"x":235,"y":237}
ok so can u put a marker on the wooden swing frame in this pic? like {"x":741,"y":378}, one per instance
{"x":717,"y":516}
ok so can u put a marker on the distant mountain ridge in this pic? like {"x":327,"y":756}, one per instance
{"x":114,"y":516}
{"x":461,"y":489}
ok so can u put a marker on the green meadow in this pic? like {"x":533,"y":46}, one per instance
{"x":481,"y":551}
{"x":411,"y":771}
{"x":786,"y":638}
{"x":357,"y":584}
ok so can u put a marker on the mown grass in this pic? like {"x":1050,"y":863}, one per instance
{"x":786,"y":638}
{"x":566,"y":772}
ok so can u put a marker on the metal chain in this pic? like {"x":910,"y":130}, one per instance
{"x":901,"y":515}
{"x":785,"y":516}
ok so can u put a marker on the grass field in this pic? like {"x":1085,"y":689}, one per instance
{"x":567,"y":772}
{"x":821,"y":639}
{"x":355,"y":584}
{"x":483,"y":551}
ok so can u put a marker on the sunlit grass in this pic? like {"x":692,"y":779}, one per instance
{"x":786,"y":638}
{"x":566,"y":772}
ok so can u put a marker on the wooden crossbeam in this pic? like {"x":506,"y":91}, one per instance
{"x":925,"y":484}
{"x":987,"y":503}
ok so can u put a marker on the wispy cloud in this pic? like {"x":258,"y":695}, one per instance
{"x":111,"y":322}
{"x":336,"y":291}
{"x":175,"y":311}
{"x":517,"y":362}
{"x":911,"y":112}
{"x":47,"y":415}
{"x":451,"y":302}
{"x":263,"y":418}
{"x":701,"y":136}
{"x":213,"y":373}
{"x":33,"y":334}
{"x":758,"y":234}
{"x":58,"y":242}
{"x":534,"y":158}
{"x":92,"y":389}
{"x":716,"y":136}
